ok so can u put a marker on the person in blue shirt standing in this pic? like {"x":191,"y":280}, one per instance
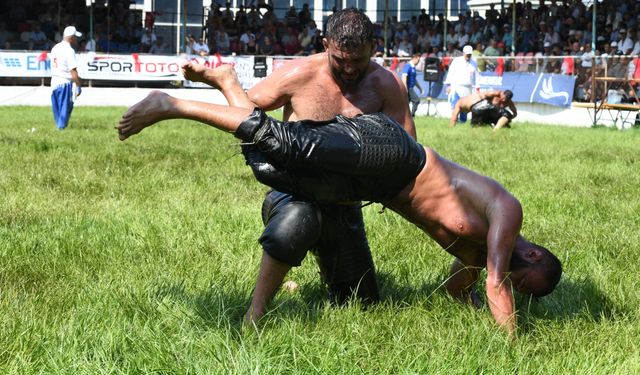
{"x":409,"y":78}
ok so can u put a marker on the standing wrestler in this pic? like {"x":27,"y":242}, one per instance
{"x":342,"y":80}
{"x":493,"y":107}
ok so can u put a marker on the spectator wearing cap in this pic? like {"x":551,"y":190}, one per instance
{"x":65,"y":82}
{"x":543,"y":57}
{"x":462,"y":78}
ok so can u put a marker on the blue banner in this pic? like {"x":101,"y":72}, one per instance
{"x":552,"y":89}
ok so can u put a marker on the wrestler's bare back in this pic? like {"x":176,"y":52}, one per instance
{"x":307,"y":90}
{"x":450,"y":204}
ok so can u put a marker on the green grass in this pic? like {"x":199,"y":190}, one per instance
{"x":140,"y":257}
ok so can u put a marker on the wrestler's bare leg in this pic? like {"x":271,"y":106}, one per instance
{"x":158,"y":106}
{"x":501,"y":123}
{"x":224,"y":78}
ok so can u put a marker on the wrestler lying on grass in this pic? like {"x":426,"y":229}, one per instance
{"x":371,"y":158}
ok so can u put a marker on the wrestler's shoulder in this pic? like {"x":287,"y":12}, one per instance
{"x":303,"y":68}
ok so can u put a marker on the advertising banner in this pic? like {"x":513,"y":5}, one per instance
{"x":545,"y":88}
{"x":24,"y":64}
{"x":133,"y":67}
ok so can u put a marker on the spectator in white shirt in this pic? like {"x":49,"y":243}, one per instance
{"x":200,"y":48}
{"x":462,"y":78}
{"x":65,"y":82}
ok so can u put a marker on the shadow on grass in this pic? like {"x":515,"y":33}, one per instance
{"x":393,"y":291}
{"x":571,"y":301}
{"x":224,"y":306}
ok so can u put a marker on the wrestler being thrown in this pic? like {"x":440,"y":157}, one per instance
{"x":371,"y":158}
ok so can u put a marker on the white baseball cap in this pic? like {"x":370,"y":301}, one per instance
{"x":467,"y":50}
{"x":71,"y":31}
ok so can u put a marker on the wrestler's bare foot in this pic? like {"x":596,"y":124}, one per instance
{"x":155,"y":107}
{"x":221,"y":77}
{"x":224,"y":77}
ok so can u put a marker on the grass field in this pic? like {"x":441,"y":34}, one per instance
{"x":140,"y":257}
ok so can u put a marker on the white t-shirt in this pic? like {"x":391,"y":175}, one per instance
{"x":63,"y":60}
{"x":462,"y":72}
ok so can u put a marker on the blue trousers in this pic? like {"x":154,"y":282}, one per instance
{"x":62,"y":104}
{"x":453,"y":100}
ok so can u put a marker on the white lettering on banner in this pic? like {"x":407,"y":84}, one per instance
{"x":489,"y":80}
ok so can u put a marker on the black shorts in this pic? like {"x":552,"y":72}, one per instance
{"x":368,"y":157}
{"x":484,"y":113}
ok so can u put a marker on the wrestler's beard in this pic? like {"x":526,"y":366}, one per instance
{"x":347,"y":82}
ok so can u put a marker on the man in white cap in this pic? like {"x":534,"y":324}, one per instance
{"x":65,"y":83}
{"x":462,"y":78}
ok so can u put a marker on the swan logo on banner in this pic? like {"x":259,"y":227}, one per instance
{"x":550,"y":95}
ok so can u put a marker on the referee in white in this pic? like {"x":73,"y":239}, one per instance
{"x":462,"y":78}
{"x":65,"y":83}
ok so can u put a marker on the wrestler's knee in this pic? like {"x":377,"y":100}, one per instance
{"x":292,"y":228}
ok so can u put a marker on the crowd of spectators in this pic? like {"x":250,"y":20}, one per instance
{"x":257,"y":31}
{"x":543,"y":37}
{"x":38,"y":24}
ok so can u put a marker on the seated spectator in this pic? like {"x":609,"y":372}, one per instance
{"x":305,"y":39}
{"x":290,"y":42}
{"x":245,"y":36}
{"x":38,"y":40}
{"x":586,"y":59}
{"x":223,"y":43}
{"x":251,"y":47}
{"x":90,"y":45}
{"x":200,"y":48}
{"x":25,"y":35}
{"x":147,"y":39}
{"x":318,"y":46}
{"x":188,"y":46}
{"x":106,"y":44}
{"x":158,"y":48}
{"x":404,"y":48}
{"x":5,"y":35}
{"x":266,"y":47}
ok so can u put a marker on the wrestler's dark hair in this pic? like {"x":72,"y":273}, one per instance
{"x":508,"y":94}
{"x":349,"y":29}
{"x":548,"y":265}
